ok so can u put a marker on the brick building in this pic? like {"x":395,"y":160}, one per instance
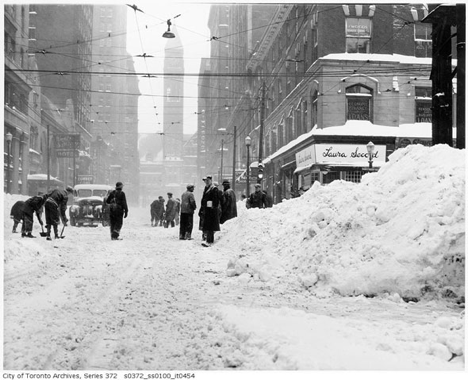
{"x":323,"y":81}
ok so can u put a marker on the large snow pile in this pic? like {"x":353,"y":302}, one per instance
{"x":400,"y":232}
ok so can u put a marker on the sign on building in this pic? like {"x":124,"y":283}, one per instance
{"x":67,"y":144}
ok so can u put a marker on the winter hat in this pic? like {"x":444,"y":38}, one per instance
{"x":69,"y":189}
{"x":190,"y":186}
{"x":258,"y":185}
{"x":170,"y":194}
{"x":226,"y":182}
{"x":119,"y":185}
{"x":207,"y":177}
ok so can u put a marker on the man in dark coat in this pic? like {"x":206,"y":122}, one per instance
{"x":268,"y":199}
{"x":31,"y":206}
{"x":209,"y":216}
{"x":257,"y":198}
{"x":171,"y":210}
{"x":187,"y":208}
{"x":228,"y":203}
{"x":55,"y":207}
{"x":157,"y":212}
{"x":16,"y":213}
{"x":118,"y":210}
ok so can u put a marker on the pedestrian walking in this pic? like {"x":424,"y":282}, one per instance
{"x":55,"y":207}
{"x":16,"y":213}
{"x":268,"y":199}
{"x":171,"y":210}
{"x":228,"y":203}
{"x":209,"y":214}
{"x":32,"y":205}
{"x":257,"y":198}
{"x":187,"y":208}
{"x":118,"y":210}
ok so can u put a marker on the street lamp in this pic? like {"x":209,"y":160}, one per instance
{"x":9,"y":138}
{"x":168,"y":33}
{"x":223,"y":130}
{"x":370,"y":150}
{"x":248,"y":141}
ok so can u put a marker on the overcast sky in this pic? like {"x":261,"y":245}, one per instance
{"x":145,"y":31}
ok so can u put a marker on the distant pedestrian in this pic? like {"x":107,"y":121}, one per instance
{"x":171,"y":210}
{"x":55,"y":207}
{"x":16,"y":213}
{"x":32,"y":205}
{"x":118,"y":210}
{"x":177,"y":215}
{"x":257,"y":198}
{"x":228,"y":203}
{"x":187,"y":208}
{"x":157,"y":212}
{"x":209,"y":214}
{"x":268,"y":199}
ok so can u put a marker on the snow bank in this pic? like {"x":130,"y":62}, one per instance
{"x":401,"y":230}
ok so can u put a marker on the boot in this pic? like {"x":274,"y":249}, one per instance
{"x":181,"y":237}
{"x":48,"y":233}
{"x":56,"y":231}
{"x":188,"y":236}
{"x":29,"y":235}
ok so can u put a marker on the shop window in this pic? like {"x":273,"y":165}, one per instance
{"x":354,"y":176}
{"x":423,"y":104}
{"x":358,"y":35}
{"x":358,"y":103}
{"x":423,"y":40}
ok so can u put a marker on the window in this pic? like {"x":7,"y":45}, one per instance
{"x":358,"y":103}
{"x":358,"y":35}
{"x":423,"y":40}
{"x":313,"y":115}
{"x":32,"y":33}
{"x":423,"y":104}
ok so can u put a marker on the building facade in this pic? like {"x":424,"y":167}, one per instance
{"x":58,"y":86}
{"x":114,"y":103}
{"x":324,"y":81}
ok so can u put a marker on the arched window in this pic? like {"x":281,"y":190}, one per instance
{"x":359,"y":102}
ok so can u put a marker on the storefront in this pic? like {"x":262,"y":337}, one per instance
{"x":326,"y":162}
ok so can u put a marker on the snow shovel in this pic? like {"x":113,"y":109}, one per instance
{"x":61,"y":233}
{"x":43,"y":234}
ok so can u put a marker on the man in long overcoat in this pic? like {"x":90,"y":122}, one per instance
{"x":228,"y":203}
{"x":209,"y":215}
{"x":171,"y":210}
{"x":118,"y":210}
{"x":187,"y":208}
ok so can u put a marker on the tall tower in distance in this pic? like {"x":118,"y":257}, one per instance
{"x":173,"y":114}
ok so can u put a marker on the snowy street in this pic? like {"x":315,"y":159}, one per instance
{"x":327,"y":281}
{"x":151,"y":301}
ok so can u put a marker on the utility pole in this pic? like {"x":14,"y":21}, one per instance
{"x":260,"y":142}
{"x":262,"y":117}
{"x":48,"y":158}
{"x":234,"y":160}
{"x":222,"y":153}
{"x":461,"y":77}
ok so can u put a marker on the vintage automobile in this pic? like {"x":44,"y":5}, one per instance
{"x":89,"y":207}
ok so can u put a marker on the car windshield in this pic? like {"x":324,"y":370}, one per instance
{"x":99,"y":193}
{"x":84,"y":193}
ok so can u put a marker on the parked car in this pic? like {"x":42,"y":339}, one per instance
{"x":89,"y":206}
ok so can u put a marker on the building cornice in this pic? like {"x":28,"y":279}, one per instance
{"x":270,"y":35}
